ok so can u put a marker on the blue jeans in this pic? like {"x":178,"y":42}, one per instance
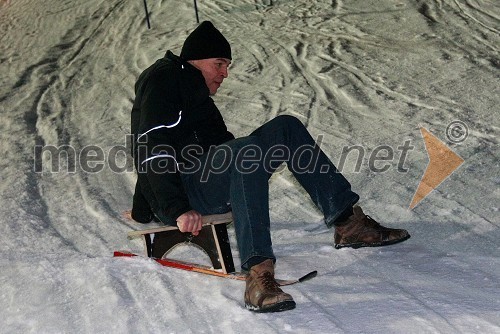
{"x":238,"y":178}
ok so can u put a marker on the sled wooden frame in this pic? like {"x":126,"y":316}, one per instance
{"x":212,"y":239}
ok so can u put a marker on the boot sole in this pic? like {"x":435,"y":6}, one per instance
{"x":279,"y":307}
{"x":357,"y":245}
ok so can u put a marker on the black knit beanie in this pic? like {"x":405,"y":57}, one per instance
{"x":205,"y":42}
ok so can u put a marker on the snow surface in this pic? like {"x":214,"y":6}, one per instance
{"x":356,"y":72}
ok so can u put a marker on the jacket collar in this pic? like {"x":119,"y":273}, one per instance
{"x":170,"y":56}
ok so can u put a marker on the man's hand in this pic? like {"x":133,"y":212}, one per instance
{"x":190,"y":222}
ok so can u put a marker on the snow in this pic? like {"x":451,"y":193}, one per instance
{"x":366,"y":73}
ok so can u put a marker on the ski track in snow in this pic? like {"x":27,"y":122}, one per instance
{"x":364,"y":73}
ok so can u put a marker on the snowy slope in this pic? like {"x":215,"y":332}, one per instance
{"x":366,"y":73}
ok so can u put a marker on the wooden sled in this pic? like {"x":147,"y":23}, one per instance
{"x":212,"y":239}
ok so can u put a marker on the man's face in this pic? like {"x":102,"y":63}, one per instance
{"x":214,"y":71}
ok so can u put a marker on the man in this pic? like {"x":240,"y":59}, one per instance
{"x":179,"y":131}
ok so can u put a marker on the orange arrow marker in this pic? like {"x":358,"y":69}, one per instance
{"x":442,"y":163}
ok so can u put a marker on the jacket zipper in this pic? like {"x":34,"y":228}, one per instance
{"x":196,"y":137}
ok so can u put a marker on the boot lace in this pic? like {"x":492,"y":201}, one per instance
{"x":268,"y":282}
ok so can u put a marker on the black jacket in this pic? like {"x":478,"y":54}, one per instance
{"x":172,"y":110}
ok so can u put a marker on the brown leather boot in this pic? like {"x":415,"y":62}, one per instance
{"x":362,"y":231}
{"x":262,"y":293}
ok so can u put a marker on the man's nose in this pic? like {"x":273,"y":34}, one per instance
{"x":224,"y":72}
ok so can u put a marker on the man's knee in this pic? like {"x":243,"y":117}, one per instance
{"x":289,"y":121}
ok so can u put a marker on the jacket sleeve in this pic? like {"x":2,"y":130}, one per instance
{"x":160,"y":114}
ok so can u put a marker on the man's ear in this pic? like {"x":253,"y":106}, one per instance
{"x":194,"y":63}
